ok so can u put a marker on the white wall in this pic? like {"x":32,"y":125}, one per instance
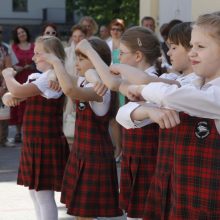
{"x":204,"y":6}
{"x":174,"y":9}
{"x":186,"y":10}
{"x":149,"y":8}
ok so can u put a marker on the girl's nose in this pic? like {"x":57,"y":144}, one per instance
{"x":191,"y":53}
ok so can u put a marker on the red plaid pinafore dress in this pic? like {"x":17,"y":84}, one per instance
{"x":195,"y":178}
{"x":157,"y":203}
{"x":137,"y":167}
{"x":90,"y":187}
{"x":45,"y":149}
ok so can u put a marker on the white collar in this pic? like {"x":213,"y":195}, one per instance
{"x":199,"y":83}
{"x":151,"y":71}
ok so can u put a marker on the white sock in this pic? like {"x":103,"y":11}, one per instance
{"x":47,"y":204}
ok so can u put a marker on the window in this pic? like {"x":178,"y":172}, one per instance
{"x":19,"y":5}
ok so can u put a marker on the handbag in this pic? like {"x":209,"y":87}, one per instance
{"x":4,"y":112}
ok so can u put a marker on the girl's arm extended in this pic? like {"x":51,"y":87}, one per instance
{"x":15,"y":88}
{"x":198,"y":102}
{"x":69,"y":83}
{"x":136,"y":76}
{"x":136,"y":115}
{"x":112,"y":81}
{"x":165,"y":118}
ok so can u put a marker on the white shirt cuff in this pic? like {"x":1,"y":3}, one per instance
{"x":123,"y":116}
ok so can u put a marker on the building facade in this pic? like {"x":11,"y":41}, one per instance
{"x":187,"y":10}
{"x":32,"y":11}
{"x":32,"y":14}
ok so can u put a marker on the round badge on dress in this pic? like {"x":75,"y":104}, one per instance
{"x":202,"y":129}
{"x":81,"y":106}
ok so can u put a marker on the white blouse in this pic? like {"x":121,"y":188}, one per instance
{"x":124,"y":113}
{"x":41,"y":80}
{"x":195,"y":98}
{"x":123,"y":116}
{"x":99,"y":108}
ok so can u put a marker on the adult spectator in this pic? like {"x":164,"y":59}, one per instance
{"x":5,"y":61}
{"x":78,"y":32}
{"x":104,"y":33}
{"x":24,"y":51}
{"x":90,"y":24}
{"x":50,"y":29}
{"x":14,"y":59}
{"x":117,"y":27}
{"x":148,"y":22}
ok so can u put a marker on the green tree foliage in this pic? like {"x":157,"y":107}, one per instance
{"x":104,"y":11}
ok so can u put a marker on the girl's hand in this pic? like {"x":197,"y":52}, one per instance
{"x":47,"y":57}
{"x":100,"y":88}
{"x":52,"y":76}
{"x":9,"y":100}
{"x":9,"y":72}
{"x":116,"y":69}
{"x":165,"y":118}
{"x":134,"y":93}
{"x":92,"y":76}
{"x":54,"y":85}
{"x":83,"y":46}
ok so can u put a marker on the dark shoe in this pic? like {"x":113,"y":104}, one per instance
{"x":18,"y":138}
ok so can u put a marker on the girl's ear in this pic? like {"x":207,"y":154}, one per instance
{"x":138,"y":56}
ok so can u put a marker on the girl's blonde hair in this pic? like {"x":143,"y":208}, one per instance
{"x":210,"y":22}
{"x":53,"y":45}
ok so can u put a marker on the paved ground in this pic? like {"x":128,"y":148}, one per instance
{"x":15,"y":203}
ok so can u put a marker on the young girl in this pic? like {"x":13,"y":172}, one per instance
{"x":90,"y":187}
{"x":45,"y":149}
{"x":195,"y":175}
{"x":139,"y":146}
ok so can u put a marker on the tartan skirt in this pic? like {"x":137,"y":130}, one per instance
{"x":90,"y":187}
{"x":42,"y":163}
{"x":136,"y":175}
{"x":158,"y":203}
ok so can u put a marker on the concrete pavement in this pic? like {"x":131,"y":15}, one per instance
{"x":15,"y":203}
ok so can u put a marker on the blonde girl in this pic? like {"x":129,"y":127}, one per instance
{"x":45,"y":149}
